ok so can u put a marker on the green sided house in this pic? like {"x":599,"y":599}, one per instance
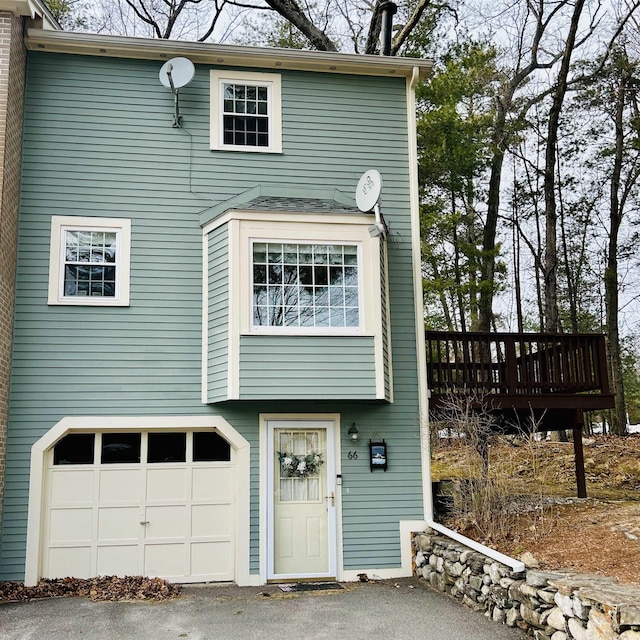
{"x":217,"y":367}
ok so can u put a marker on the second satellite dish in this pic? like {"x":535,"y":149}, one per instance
{"x":368,"y":190}
{"x":177,"y":73}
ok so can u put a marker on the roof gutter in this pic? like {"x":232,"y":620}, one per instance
{"x":225,"y":55}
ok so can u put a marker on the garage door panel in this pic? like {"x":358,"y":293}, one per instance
{"x":211,"y":520}
{"x":119,"y":523}
{"x":70,"y":486}
{"x":165,"y":560}
{"x":117,"y":560}
{"x":212,"y":559}
{"x":70,"y":525}
{"x":214,"y":484}
{"x":119,"y":485}
{"x":69,"y":561}
{"x":166,"y":522}
{"x":175,"y":520}
{"x":166,"y":484}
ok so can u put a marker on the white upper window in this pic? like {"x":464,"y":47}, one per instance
{"x":246,"y":111}
{"x":89,"y":261}
{"x":298,"y":285}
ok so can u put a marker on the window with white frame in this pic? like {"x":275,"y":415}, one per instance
{"x":246,"y":111}
{"x":89,"y":261}
{"x":298,"y":285}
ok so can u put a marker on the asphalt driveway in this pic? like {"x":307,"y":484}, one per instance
{"x":394,"y":609}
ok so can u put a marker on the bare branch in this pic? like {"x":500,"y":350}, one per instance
{"x":291,"y":11}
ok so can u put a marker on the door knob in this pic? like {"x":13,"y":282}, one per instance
{"x":144,"y":522}
{"x":333,"y":498}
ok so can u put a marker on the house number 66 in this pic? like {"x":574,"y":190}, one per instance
{"x":352,"y":455}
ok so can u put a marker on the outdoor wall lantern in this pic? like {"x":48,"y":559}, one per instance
{"x":353,"y":432}
{"x":378,"y":454}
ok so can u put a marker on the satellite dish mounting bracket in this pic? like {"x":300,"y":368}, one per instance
{"x":175,"y":74}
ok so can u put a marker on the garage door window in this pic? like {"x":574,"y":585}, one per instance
{"x":119,"y":448}
{"x":75,"y":448}
{"x":167,"y":447}
{"x":210,"y":447}
{"x":127,"y":448}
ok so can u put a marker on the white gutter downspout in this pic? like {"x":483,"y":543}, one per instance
{"x":423,"y":391}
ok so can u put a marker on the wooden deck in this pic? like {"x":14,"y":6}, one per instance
{"x":520,"y":370}
{"x":553,"y":377}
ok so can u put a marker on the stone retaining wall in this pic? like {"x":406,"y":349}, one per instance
{"x":548,"y":605}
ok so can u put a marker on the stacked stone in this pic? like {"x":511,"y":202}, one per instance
{"x":548,"y":605}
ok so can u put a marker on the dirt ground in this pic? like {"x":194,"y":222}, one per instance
{"x":600,"y":534}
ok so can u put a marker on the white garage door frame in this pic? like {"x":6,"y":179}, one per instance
{"x":71,"y":424}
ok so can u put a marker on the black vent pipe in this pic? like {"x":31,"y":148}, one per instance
{"x":388,"y":10}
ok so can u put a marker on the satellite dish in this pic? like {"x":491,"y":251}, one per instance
{"x":368,"y":190}
{"x":177,"y":73}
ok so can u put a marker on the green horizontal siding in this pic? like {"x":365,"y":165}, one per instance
{"x":218,"y":314}
{"x":307,"y":367}
{"x":98,"y":141}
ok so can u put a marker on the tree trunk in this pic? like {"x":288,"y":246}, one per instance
{"x":551,"y":315}
{"x":487,"y":267}
{"x":618,"y":414}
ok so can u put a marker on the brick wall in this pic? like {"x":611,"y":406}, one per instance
{"x":12,"y":64}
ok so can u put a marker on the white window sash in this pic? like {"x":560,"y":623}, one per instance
{"x":60,"y":225}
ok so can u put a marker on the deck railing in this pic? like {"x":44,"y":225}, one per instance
{"x":516,"y":364}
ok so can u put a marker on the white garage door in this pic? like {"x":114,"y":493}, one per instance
{"x":145,"y":503}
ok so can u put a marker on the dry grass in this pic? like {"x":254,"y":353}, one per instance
{"x":597,"y":535}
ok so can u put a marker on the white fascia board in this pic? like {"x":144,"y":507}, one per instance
{"x":33,"y":9}
{"x":224,"y":55}
{"x":255,"y":215}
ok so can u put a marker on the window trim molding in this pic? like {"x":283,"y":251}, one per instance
{"x":273,"y":82}
{"x":254,"y":329}
{"x":59,"y":224}
{"x":336,"y":228}
{"x":325,"y":233}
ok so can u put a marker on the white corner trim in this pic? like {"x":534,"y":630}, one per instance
{"x":235,"y":276}
{"x":423,"y":391}
{"x":423,"y":402}
{"x":205,"y":319}
{"x":137,"y":423}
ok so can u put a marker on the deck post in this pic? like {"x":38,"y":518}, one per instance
{"x":578,"y":422}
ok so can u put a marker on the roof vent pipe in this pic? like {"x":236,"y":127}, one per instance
{"x":388,"y":9}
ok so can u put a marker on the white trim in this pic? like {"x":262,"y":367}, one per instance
{"x":272,"y":81}
{"x":423,"y":391}
{"x":254,"y":329}
{"x":32,"y":8}
{"x":122,"y":228}
{"x":516,"y":565}
{"x":205,"y":320}
{"x":225,"y":55}
{"x":282,"y":230}
{"x":325,"y":219}
{"x":265,"y":487}
{"x":137,"y":423}
{"x":423,"y":402}
{"x":235,"y":293}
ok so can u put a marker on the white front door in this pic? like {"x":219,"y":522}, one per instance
{"x":302,"y":540}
